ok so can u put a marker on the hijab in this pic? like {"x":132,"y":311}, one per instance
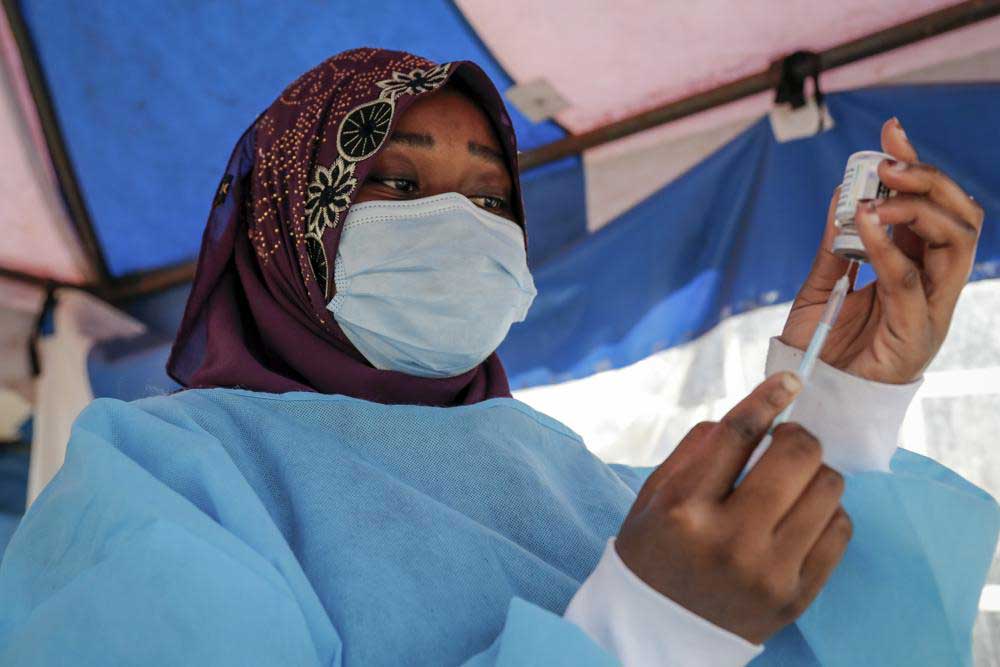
{"x":256,"y":316}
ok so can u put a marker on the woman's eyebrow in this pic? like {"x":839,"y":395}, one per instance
{"x":479,"y":150}
{"x":427,"y":141}
{"x":413,"y":139}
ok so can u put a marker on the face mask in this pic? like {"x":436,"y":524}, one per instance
{"x":429,"y":287}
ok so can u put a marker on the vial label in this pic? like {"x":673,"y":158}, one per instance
{"x":860,"y":182}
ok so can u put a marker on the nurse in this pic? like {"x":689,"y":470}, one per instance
{"x":347,"y":481}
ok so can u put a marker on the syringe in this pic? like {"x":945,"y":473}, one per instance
{"x":833,"y":304}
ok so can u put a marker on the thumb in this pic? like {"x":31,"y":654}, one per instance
{"x":827,"y":268}
{"x":899,"y":285}
{"x":895,"y":142}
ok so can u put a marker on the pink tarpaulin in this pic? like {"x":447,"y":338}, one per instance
{"x":613,"y":60}
{"x":37,"y":237}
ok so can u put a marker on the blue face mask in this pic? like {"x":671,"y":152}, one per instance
{"x":429,"y":287}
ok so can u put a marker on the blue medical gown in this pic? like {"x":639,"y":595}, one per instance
{"x":227,"y":527}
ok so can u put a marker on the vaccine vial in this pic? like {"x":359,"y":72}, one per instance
{"x":861,"y":182}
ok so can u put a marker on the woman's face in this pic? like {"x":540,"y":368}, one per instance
{"x":443,"y":143}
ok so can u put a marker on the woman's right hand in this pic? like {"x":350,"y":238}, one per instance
{"x":749,"y":559}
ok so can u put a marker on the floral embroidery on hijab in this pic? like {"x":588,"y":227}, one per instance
{"x":364,"y":129}
{"x":329,"y":194}
{"x":320,"y":266}
{"x":416,"y":82}
{"x":360,"y":135}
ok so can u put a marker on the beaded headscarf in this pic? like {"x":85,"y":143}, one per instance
{"x":256,"y":317}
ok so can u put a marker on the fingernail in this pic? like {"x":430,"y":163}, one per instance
{"x":897,"y":165}
{"x":791,"y":382}
{"x":869,"y":216}
{"x":899,"y":126}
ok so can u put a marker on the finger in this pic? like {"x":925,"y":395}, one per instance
{"x":936,"y":225}
{"x":924,"y":179}
{"x":802,"y":526}
{"x":896,"y":143}
{"x":950,"y":248}
{"x":827,"y":267}
{"x":773,"y":486}
{"x":738,"y":433}
{"x":912,"y":245}
{"x":824,"y":556}
{"x":673,"y":470}
{"x":899,"y":281}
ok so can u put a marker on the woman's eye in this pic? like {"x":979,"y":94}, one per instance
{"x":400,"y":184}
{"x":490,"y":203}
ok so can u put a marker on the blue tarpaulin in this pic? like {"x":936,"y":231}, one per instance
{"x":13,"y":489}
{"x":151,"y":101}
{"x":737,"y":231}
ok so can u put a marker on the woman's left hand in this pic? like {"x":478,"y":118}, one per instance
{"x":890,"y":330}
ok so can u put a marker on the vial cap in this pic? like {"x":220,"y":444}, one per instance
{"x":850,"y":247}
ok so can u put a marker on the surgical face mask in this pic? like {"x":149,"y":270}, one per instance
{"x":429,"y":287}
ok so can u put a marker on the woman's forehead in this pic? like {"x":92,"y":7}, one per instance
{"x":448,"y":115}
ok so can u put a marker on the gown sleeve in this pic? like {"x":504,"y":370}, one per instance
{"x":908,"y":587}
{"x":907,"y":591}
{"x":120,"y":561}
{"x":644,"y":628}
{"x":535,"y":637}
{"x":857,"y":420}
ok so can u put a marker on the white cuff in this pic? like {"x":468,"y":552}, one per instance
{"x":632,"y":621}
{"x":856,"y":420}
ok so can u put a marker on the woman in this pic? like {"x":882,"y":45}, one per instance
{"x":349,"y":482}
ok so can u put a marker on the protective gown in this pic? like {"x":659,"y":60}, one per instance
{"x":228,"y":527}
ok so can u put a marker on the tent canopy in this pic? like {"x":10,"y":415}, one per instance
{"x":149,"y":99}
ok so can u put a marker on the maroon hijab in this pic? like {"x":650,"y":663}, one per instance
{"x":256,"y":317}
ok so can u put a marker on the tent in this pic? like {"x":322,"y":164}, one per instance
{"x":673,"y":204}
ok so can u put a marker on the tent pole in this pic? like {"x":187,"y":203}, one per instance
{"x":29,"y":279}
{"x":69,"y":187}
{"x":146,"y":282}
{"x":124,"y":287}
{"x":957,"y":16}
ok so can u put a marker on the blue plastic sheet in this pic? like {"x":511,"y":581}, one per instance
{"x":555,"y":203}
{"x":737,"y":231}
{"x":130,"y":368}
{"x":151,"y":96}
{"x":13,"y":490}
